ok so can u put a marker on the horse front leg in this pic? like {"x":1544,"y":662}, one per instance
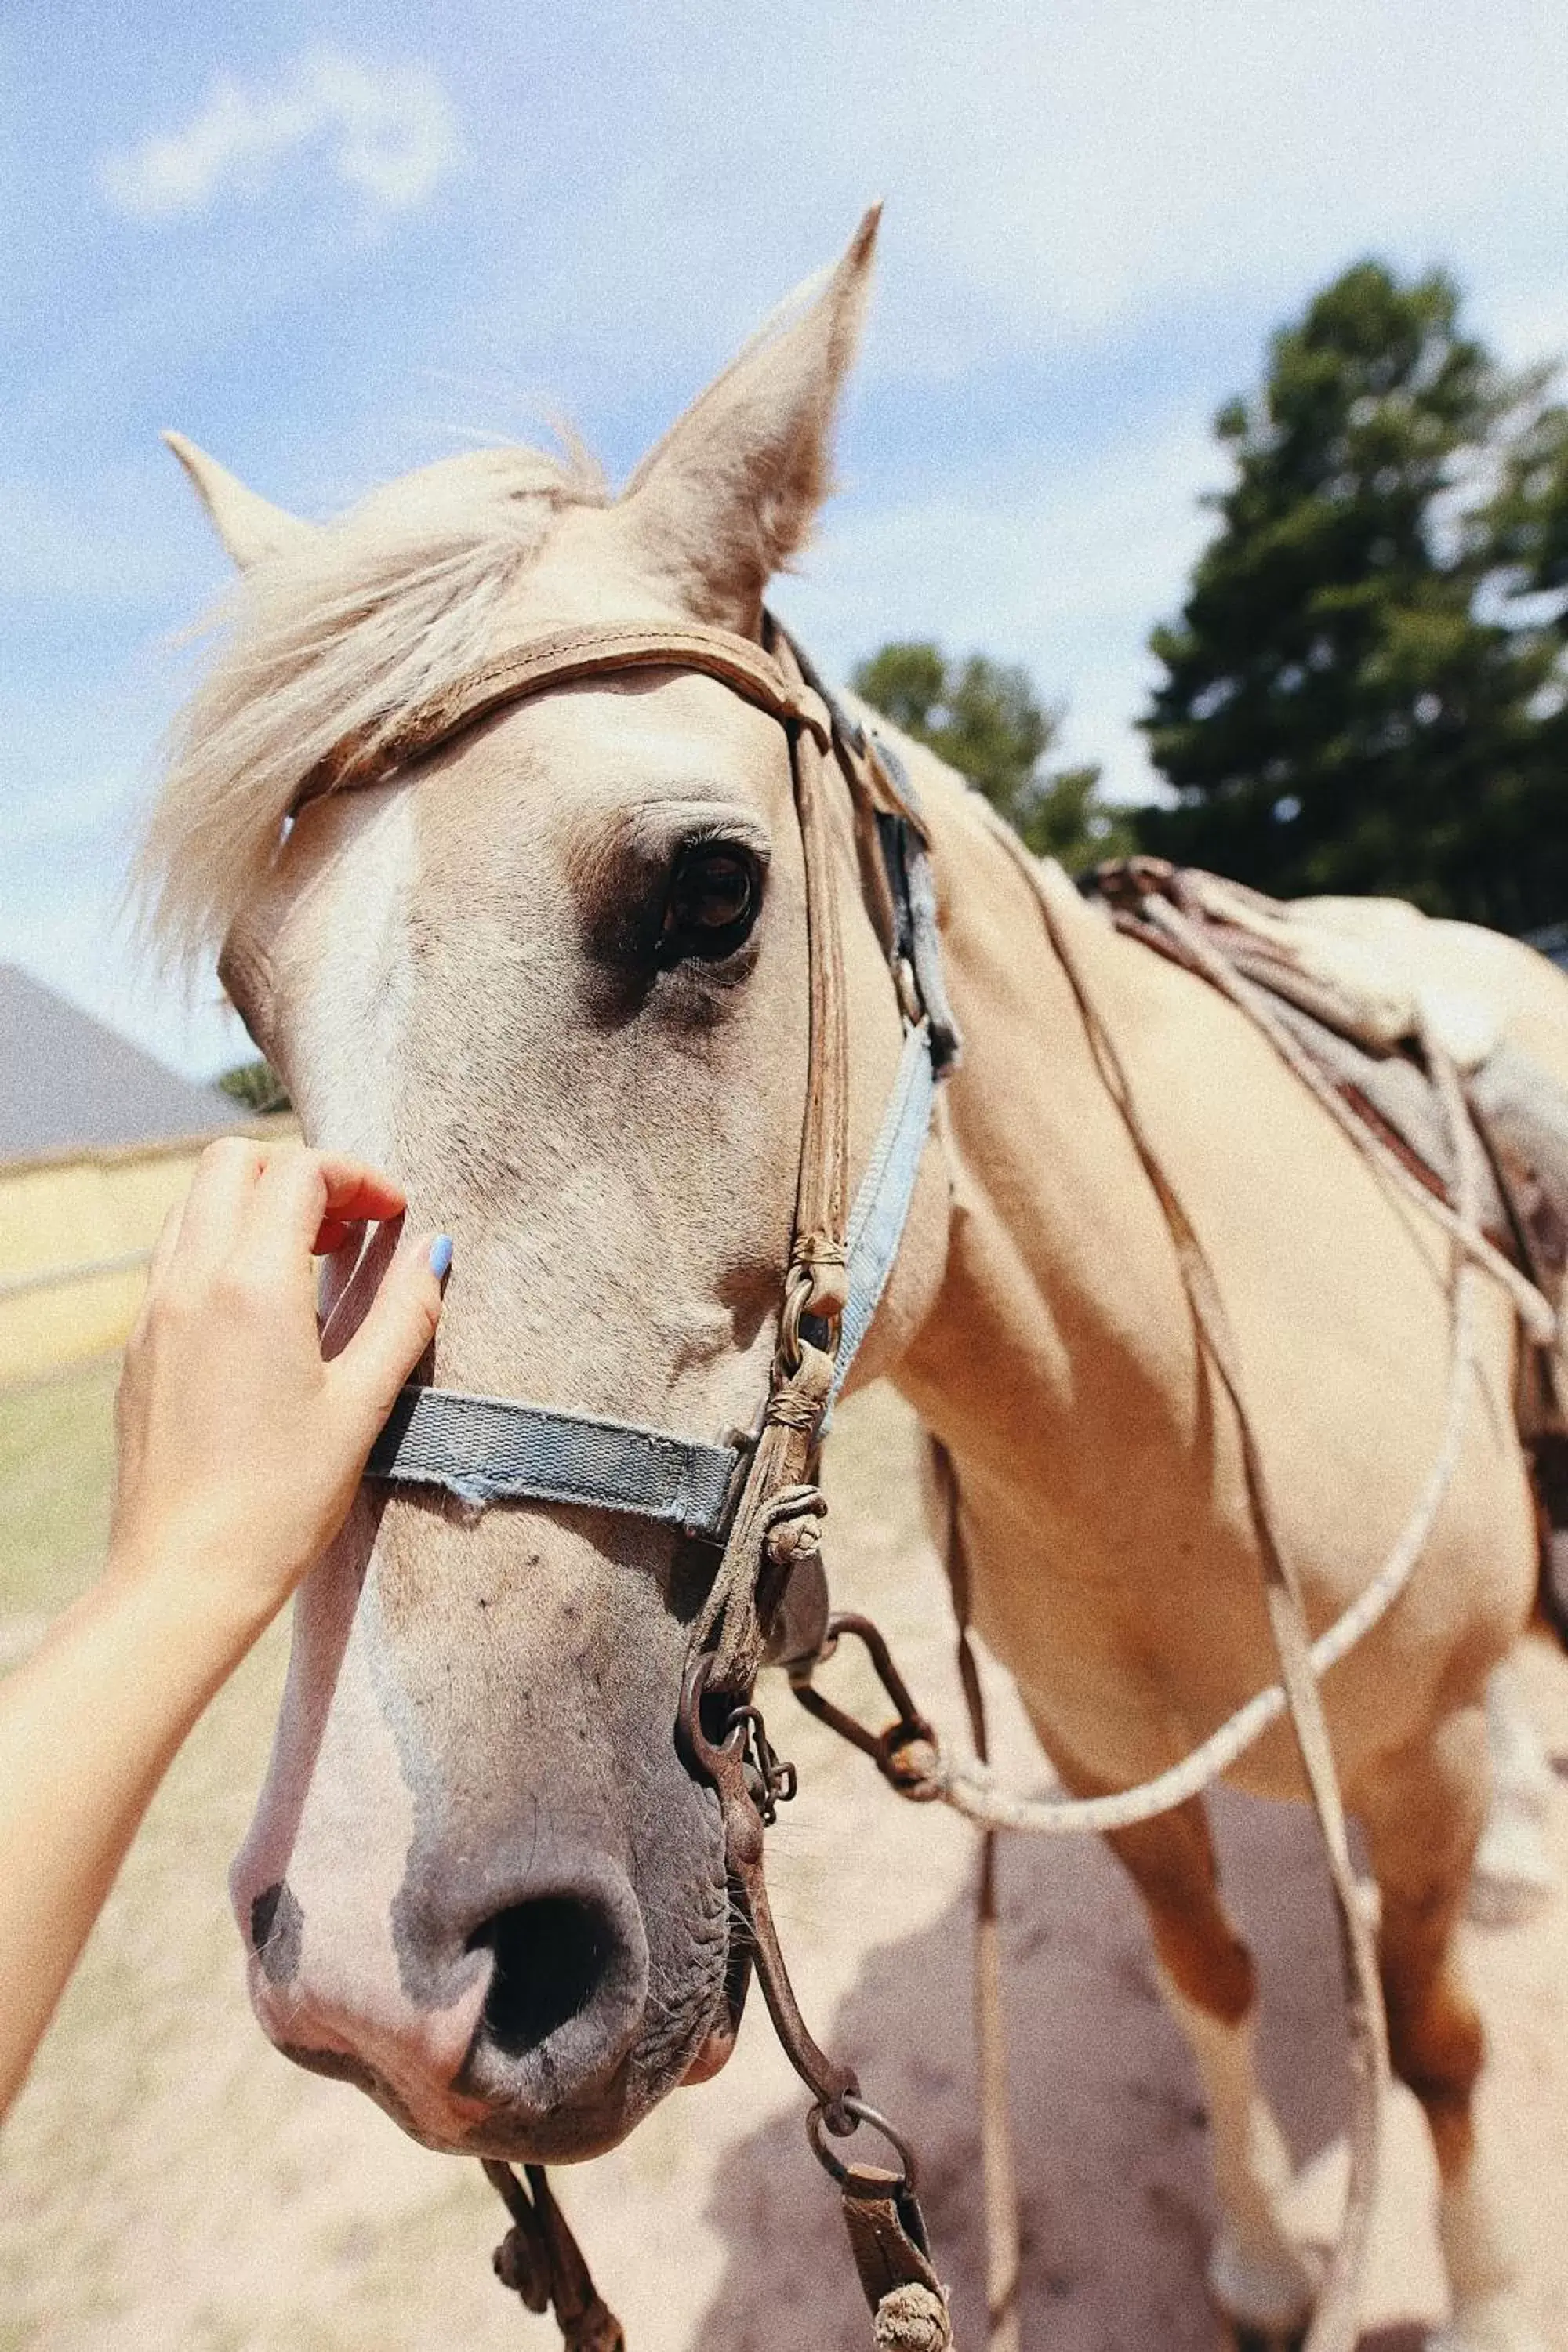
{"x":1255,"y":2274}
{"x":1422,"y":1811}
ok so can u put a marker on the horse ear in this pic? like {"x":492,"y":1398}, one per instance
{"x":728,"y":495}
{"x":249,"y":528}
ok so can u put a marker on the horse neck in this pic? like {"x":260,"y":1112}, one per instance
{"x":1060,"y":1316}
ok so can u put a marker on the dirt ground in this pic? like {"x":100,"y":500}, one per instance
{"x":167,"y":2181}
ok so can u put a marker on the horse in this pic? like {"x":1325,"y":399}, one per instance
{"x":553,"y":975}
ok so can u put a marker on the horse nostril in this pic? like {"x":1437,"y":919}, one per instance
{"x":550,"y":1957}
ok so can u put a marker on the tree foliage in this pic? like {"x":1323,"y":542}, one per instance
{"x":256,"y":1087}
{"x":984,"y":719}
{"x":1362,"y":691}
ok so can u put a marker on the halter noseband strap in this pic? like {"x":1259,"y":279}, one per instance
{"x":489,"y":1449}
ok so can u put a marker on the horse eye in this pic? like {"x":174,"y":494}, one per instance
{"x":712,"y":902}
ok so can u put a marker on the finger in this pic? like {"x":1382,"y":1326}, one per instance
{"x":357,"y":1192}
{"x":303,"y":1190}
{"x":215,"y":1208}
{"x":334,"y":1234}
{"x":398,"y":1326}
{"x":352,"y":1277}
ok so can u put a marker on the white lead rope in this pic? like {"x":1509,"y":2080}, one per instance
{"x":974,"y":1789}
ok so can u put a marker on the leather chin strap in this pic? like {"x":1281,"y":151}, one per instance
{"x":491,"y":1449}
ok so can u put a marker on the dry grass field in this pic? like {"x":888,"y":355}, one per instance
{"x":168,"y":2184}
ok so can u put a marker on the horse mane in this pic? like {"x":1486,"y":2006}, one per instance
{"x":341,"y":635}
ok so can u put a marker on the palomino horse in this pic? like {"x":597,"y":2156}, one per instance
{"x":554,"y":977}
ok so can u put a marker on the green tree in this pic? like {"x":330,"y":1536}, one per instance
{"x":1355,"y":696}
{"x":1529,"y":515}
{"x":256,"y":1086}
{"x":1529,"y":520}
{"x":984,"y":719}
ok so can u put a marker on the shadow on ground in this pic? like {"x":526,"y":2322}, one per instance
{"x":1117,"y":2204}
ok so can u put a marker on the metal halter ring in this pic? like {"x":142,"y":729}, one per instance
{"x":856,"y":2109}
{"x":798,"y":1286}
{"x":905,"y":1752}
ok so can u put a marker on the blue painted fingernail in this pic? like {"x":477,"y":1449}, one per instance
{"x":440,"y":1256}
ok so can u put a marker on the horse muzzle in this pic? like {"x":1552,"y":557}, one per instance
{"x":510,"y":2033}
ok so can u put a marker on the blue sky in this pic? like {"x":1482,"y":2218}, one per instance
{"x":330,"y":241}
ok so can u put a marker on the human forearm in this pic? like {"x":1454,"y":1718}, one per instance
{"x":242,"y":1437}
{"x":88,"y":1726}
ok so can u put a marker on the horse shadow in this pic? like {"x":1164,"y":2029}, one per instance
{"x":1117,"y":2206}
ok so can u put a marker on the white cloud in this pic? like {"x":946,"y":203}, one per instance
{"x":1094,"y":214}
{"x":390,"y":130}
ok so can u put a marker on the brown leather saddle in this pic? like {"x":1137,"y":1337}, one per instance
{"x":1519,"y":1115}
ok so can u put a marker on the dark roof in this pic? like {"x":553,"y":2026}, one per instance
{"x":67,"y":1082}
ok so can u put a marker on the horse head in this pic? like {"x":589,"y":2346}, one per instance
{"x":554,"y":977}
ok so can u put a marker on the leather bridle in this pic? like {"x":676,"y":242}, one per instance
{"x":759,"y":1501}
{"x":489,"y":1449}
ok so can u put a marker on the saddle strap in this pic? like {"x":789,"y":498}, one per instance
{"x":1534,"y":1312}
{"x":1334,"y":2326}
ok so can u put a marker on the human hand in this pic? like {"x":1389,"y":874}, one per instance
{"x":241,"y":1445}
